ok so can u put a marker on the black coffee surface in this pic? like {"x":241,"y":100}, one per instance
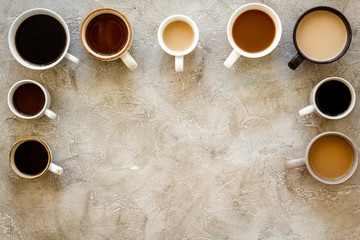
{"x":40,"y":39}
{"x":31,"y":157}
{"x":333,"y":98}
{"x":29,"y":99}
{"x":106,"y":34}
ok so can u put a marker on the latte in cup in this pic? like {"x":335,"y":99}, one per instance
{"x":178,"y":36}
{"x":321,"y":35}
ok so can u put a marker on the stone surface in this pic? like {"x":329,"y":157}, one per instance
{"x":154,"y":154}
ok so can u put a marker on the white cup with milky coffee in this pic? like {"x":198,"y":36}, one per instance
{"x":178,"y":35}
{"x":321,"y":35}
{"x":331,"y":158}
{"x":254,"y":30}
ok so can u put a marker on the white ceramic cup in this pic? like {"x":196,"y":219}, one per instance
{"x":45,"y":110}
{"x":313,"y":106}
{"x":179,"y":56}
{"x":237,"y":52}
{"x":305,"y":161}
{"x":12,"y":33}
{"x":125,"y":56}
{"x":50,"y":166}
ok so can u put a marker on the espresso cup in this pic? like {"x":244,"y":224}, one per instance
{"x":178,"y":35}
{"x":332,"y":98}
{"x":331,"y":158}
{"x":254,"y":30}
{"x":321,"y":35}
{"x":29,"y":99}
{"x":31,"y":158}
{"x":39,"y":39}
{"x":106,"y":34}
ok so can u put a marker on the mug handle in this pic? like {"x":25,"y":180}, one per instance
{"x":50,"y":114}
{"x":232,"y":58}
{"x":296,"y":61}
{"x":72,"y":58}
{"x":56,"y":169}
{"x":179,"y":63}
{"x":307,"y":110}
{"x":295,"y":163}
{"x":129,"y":61}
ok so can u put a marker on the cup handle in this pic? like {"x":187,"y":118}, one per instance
{"x":72,"y":58}
{"x":295,"y":163}
{"x":179,"y":63}
{"x":232,"y":58}
{"x":307,"y":110}
{"x":50,"y":114}
{"x":129,"y":61}
{"x":296,"y":61}
{"x":56,"y":169}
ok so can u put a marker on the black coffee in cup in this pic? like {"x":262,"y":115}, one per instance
{"x":31,"y":157}
{"x":333,"y":98}
{"x":40,"y":39}
{"x":29,"y":99}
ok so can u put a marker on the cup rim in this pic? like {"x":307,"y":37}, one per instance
{"x":91,"y":16}
{"x":19,"y":20}
{"x":173,"y":18}
{"x":11,"y":94}
{"x":355,"y":161}
{"x":271,"y":13}
{"x":350,"y":107}
{"x":13,"y":150}
{"x":337,"y":13}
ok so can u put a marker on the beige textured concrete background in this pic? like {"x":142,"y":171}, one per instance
{"x":154,"y":154}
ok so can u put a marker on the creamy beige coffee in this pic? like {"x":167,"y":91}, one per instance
{"x":321,"y":35}
{"x":178,"y":36}
{"x":331,"y":157}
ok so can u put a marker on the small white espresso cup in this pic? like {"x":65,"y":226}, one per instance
{"x":50,"y":166}
{"x":237,"y":52}
{"x":179,"y":56}
{"x":14,"y":27}
{"x":314,"y":107}
{"x":45,"y":110}
{"x":306,"y":161}
{"x":125,"y":56}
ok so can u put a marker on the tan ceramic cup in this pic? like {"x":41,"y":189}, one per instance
{"x":123,"y":53}
{"x":50,"y":166}
{"x":295,"y":163}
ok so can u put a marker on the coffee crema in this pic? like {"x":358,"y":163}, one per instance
{"x":29,"y":99}
{"x":40,"y":39}
{"x":107,"y":34}
{"x":331,"y":157}
{"x":178,"y":36}
{"x":253,"y":31}
{"x":31,"y":157}
{"x":321,"y":35}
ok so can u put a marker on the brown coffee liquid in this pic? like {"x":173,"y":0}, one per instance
{"x":178,"y":36}
{"x":31,"y":157}
{"x":253,"y":31}
{"x":331,"y":157}
{"x":106,"y":34}
{"x":29,"y":99}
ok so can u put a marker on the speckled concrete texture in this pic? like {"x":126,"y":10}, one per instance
{"x":154,"y":154}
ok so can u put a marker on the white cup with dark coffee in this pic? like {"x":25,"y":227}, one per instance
{"x":106,"y":34}
{"x":39,"y":39}
{"x":254,"y":30}
{"x":29,"y":99}
{"x":332,"y":98}
{"x":178,"y":35}
{"x":31,"y":158}
{"x":331,"y":158}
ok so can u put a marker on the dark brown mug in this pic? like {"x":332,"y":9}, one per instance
{"x":301,"y":56}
